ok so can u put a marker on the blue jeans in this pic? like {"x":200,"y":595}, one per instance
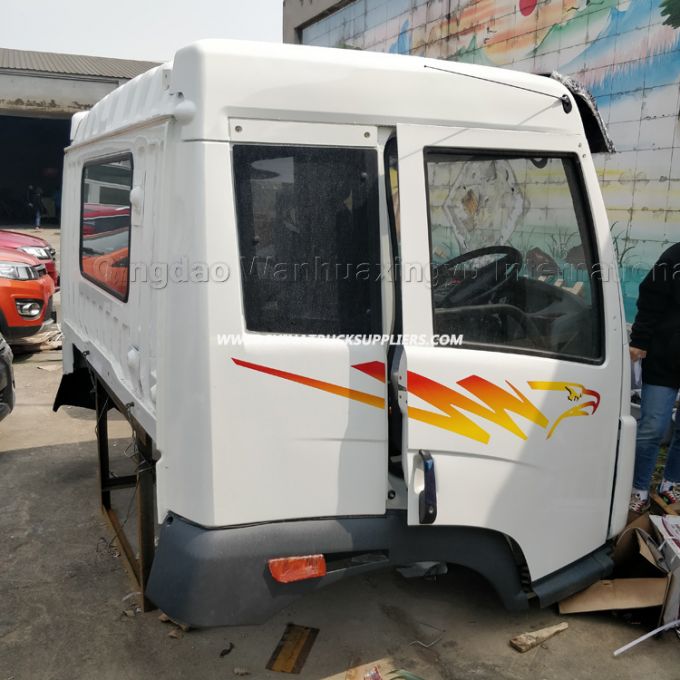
{"x":656,"y":411}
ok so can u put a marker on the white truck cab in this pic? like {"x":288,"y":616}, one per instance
{"x":362,"y":310}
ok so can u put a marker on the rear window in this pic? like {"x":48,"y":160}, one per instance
{"x":309,"y":239}
{"x":105,"y":224}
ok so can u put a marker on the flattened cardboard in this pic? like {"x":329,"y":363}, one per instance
{"x":635,"y":554}
{"x":623,"y":593}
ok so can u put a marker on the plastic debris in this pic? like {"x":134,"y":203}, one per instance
{"x":46,"y":341}
{"x":373,"y":670}
{"x":427,"y":645}
{"x":241,"y":671}
{"x":656,"y":631}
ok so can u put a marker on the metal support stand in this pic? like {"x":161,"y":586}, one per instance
{"x":142,"y":481}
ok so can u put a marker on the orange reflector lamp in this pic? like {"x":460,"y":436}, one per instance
{"x":299,"y":568}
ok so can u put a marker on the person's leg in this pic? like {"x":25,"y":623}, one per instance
{"x":656,"y":408}
{"x":37,"y":218}
{"x":672,"y":469}
{"x":669,"y":489}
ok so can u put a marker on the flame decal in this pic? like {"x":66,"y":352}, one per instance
{"x":496,"y":403}
{"x":364,"y":397}
{"x":376,"y":369}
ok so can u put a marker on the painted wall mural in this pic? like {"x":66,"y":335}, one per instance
{"x":626,"y":51}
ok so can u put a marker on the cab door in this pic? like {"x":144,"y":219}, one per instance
{"x":509,"y":381}
{"x":303,"y":391}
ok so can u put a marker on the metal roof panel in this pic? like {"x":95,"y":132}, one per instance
{"x":72,"y":64}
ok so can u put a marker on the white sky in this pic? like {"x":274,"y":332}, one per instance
{"x":133,"y":29}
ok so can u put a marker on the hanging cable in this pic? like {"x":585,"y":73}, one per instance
{"x":566,"y":102}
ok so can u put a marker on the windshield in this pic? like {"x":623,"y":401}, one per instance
{"x":512,"y":256}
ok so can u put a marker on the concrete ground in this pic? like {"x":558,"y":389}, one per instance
{"x":63,"y":591}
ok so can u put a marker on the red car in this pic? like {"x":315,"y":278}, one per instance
{"x":31,"y":245}
{"x":101,"y":217}
{"x":26,"y":291}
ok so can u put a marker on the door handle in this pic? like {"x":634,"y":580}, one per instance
{"x":427,"y":499}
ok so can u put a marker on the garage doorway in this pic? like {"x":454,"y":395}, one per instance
{"x":32,"y":154}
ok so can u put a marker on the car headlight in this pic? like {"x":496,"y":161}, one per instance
{"x":36,"y":251}
{"x":15,"y":270}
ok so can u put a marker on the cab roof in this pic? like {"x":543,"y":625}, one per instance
{"x":212,"y":80}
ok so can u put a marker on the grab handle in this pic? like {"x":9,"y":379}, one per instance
{"x":427,"y":499}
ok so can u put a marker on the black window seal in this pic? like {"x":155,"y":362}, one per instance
{"x":127,"y":155}
{"x":392,"y":149}
{"x":590,"y":243}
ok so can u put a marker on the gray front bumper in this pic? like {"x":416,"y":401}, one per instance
{"x":211,"y":577}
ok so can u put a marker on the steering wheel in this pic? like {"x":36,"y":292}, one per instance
{"x":487,"y":280}
{"x":491,"y":324}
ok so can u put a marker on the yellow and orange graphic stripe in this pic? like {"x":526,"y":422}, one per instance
{"x":497,"y":403}
{"x":356,"y":395}
{"x":575,"y":392}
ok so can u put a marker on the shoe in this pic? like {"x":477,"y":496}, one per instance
{"x":671,"y":496}
{"x":638,"y":504}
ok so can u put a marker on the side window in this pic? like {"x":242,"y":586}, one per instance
{"x":105,"y":224}
{"x":309,"y":239}
{"x":512,"y":253}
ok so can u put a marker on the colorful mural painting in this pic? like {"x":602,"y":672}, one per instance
{"x":627,"y":52}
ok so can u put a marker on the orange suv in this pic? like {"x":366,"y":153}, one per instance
{"x":26,"y":291}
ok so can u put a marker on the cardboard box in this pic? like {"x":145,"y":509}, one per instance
{"x":642,"y":577}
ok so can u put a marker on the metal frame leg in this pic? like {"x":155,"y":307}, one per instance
{"x":142,"y":481}
{"x":145,"y":516}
